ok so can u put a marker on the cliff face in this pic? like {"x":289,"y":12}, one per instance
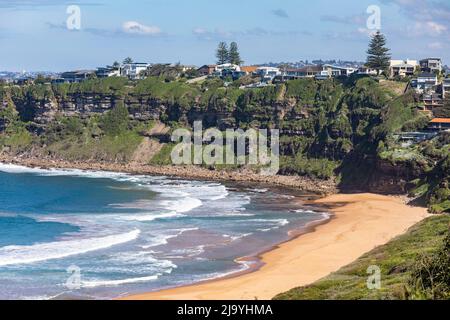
{"x":41,"y":112}
{"x":323,"y":124}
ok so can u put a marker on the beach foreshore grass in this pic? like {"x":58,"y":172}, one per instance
{"x":361,"y":223}
{"x":396,"y":260}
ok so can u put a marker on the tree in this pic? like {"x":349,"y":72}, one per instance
{"x":378,"y":56}
{"x":234,"y":57}
{"x":115,"y":121}
{"x":127,"y":60}
{"x":222,"y":53}
{"x":116,"y":64}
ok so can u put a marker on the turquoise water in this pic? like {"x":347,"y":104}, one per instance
{"x":71,"y":233}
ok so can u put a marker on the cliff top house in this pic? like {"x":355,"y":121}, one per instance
{"x":134,"y":70}
{"x":439,"y":124}
{"x":207,"y":69}
{"x":431,"y":65}
{"x":403,"y":68}
{"x":77,"y":75}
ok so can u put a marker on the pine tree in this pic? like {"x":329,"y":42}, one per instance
{"x":378,"y":56}
{"x":127,"y":60}
{"x":222,"y":53}
{"x":234,"y":57}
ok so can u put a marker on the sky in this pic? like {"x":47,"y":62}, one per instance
{"x":43,"y":35}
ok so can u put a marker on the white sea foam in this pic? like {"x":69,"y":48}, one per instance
{"x":162,"y":239}
{"x":151,"y":217}
{"x":182,"y":205}
{"x":13,"y":255}
{"x":114,"y":283}
{"x":259,"y":190}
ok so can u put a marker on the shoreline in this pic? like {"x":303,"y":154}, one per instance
{"x":317,"y":186}
{"x":360,"y":223}
{"x":267,"y":276}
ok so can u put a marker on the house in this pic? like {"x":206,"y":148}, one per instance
{"x":446,"y":88}
{"x":108,"y":71}
{"x":206,"y":70}
{"x":367,"y":71}
{"x":431,"y":65}
{"x":410,"y":138}
{"x":305,"y":72}
{"x":133,"y":70}
{"x":227,"y":66}
{"x":431,"y":101}
{"x":323,"y":75}
{"x":336,"y":71}
{"x":77,"y":76}
{"x":249,"y":69}
{"x":403,"y":68}
{"x":424,"y":82}
{"x":439,"y":124}
{"x":267,"y":74}
{"x":186,"y":68}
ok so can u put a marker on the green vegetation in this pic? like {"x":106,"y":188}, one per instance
{"x":336,"y":128}
{"x":228,"y":55}
{"x":415,"y":265}
{"x":222,"y":53}
{"x":378,"y":55}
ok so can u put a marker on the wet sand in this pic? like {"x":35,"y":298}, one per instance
{"x":361,"y":222}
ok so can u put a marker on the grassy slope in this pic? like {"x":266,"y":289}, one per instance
{"x":395,"y":260}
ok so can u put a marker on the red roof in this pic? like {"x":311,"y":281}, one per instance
{"x":440,"y":120}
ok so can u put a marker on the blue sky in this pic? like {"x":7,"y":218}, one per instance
{"x":34,"y":36}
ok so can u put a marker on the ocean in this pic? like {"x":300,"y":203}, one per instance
{"x":68,"y":234}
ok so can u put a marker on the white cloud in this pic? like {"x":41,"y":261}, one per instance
{"x":134,"y":27}
{"x":428,"y":28}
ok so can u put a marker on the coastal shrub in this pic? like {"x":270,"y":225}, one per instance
{"x":430,"y":278}
{"x":116,"y":120}
{"x":400,"y":269}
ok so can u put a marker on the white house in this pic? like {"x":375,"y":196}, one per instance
{"x":336,"y":71}
{"x":403,"y":68}
{"x":425,"y":82}
{"x":227,"y":66}
{"x":367,"y":71}
{"x":268,"y":73}
{"x":133,"y":70}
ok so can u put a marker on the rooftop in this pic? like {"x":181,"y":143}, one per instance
{"x":440,"y":120}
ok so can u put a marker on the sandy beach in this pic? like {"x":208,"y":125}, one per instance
{"x":361,"y":222}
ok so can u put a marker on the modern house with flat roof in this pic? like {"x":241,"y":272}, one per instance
{"x":108,"y":71}
{"x":77,"y":76}
{"x":431,"y":101}
{"x":336,"y":71}
{"x":134,"y":70}
{"x":425,"y":82}
{"x":268,"y":73}
{"x":439,"y":124}
{"x":403,"y":68}
{"x":367,"y":71}
{"x":431,"y":65}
